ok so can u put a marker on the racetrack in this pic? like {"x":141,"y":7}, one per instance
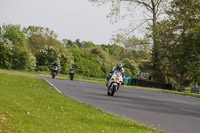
{"x":161,"y":111}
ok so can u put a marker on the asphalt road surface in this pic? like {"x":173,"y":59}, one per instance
{"x":161,"y":111}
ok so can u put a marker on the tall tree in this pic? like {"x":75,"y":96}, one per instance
{"x":15,"y":45}
{"x":179,"y":42}
{"x":14,"y":34}
{"x":152,"y":10}
{"x":185,"y":17}
{"x":38,"y":37}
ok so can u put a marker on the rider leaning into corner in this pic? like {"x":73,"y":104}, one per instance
{"x":118,"y":67}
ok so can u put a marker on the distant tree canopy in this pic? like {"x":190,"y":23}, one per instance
{"x":14,"y":52}
{"x":36,"y":48}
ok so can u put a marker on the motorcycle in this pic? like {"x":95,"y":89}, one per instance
{"x":54,"y":71}
{"x":71,"y":74}
{"x":114,"y":82}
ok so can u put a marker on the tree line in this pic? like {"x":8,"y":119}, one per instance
{"x":36,"y":48}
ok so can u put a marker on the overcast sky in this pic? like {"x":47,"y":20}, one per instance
{"x":70,"y":19}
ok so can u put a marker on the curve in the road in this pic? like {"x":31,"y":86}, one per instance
{"x":166,"y":112}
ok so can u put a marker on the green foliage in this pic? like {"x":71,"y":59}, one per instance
{"x":47,"y":49}
{"x":77,"y":44}
{"x":88,"y":44}
{"x":38,"y":30}
{"x":15,"y":57}
{"x":13,"y":49}
{"x":131,"y":67}
{"x":14,"y":34}
{"x":65,"y":62}
{"x":128,"y":73}
{"x":179,"y":43}
{"x":105,"y":47}
{"x":47,"y":56}
{"x":100,"y":56}
{"x":22,"y":59}
{"x":86,"y":65}
{"x":69,"y":44}
{"x":152,"y":10}
{"x":194,"y":72}
{"x":6,"y":54}
{"x":38,"y":37}
{"x":103,"y":57}
{"x":42,"y":68}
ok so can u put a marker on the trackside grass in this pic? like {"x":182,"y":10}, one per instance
{"x":30,"y":105}
{"x":59,"y":76}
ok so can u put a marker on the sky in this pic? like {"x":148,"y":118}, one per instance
{"x":70,"y":19}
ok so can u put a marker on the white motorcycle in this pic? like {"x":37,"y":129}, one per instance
{"x":114,"y":82}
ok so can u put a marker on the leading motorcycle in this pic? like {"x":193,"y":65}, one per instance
{"x":114,"y":82}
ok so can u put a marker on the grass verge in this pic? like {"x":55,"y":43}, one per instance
{"x":168,"y":91}
{"x":29,"y":104}
{"x":59,"y":76}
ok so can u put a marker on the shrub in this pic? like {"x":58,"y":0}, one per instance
{"x":43,"y":68}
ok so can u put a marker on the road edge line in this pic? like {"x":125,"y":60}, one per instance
{"x":52,"y":85}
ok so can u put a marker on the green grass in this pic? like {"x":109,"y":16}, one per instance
{"x":59,"y":76}
{"x":30,"y":105}
{"x":187,"y":93}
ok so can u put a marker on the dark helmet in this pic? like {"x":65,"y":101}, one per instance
{"x":55,"y":63}
{"x":119,"y":66}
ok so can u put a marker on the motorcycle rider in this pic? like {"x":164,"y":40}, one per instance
{"x":54,"y":64}
{"x":118,"y":67}
{"x":71,"y":71}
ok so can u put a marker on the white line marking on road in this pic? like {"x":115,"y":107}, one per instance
{"x":52,"y":85}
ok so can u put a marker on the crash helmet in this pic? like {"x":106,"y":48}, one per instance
{"x":56,"y":62}
{"x":119,"y":66}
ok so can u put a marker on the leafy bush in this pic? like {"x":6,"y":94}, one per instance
{"x":47,"y":56}
{"x":43,"y":68}
{"x":5,"y":54}
{"x":85,"y":64}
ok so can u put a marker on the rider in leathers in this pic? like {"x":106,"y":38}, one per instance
{"x":118,"y":67}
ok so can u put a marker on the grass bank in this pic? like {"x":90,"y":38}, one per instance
{"x":29,"y":104}
{"x":59,"y":76}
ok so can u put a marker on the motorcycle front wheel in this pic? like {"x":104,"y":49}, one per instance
{"x":113,"y":90}
{"x":53,"y":75}
{"x":72,"y":77}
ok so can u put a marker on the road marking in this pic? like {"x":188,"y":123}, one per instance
{"x":52,"y":85}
